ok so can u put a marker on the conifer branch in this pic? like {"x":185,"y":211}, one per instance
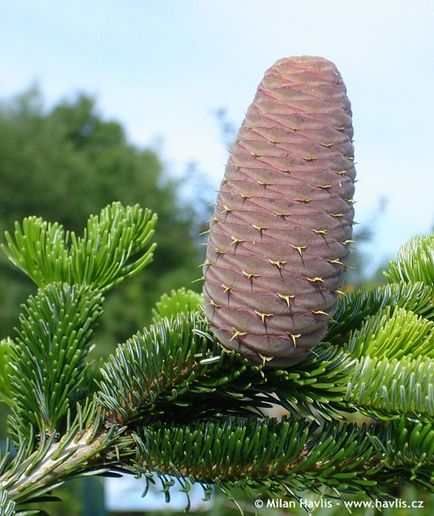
{"x":176,"y":363}
{"x":387,"y":389}
{"x":114,"y":246}
{"x":277,"y":458}
{"x":327,"y":384}
{"x":415,"y":262}
{"x":48,"y":357}
{"x":393,"y":333}
{"x":38,"y":248}
{"x":355,"y":307}
{"x":82,"y":449}
{"x":5,"y":361}
{"x":181,"y":301}
{"x":172,"y":400}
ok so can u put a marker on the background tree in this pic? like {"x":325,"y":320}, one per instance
{"x":68,"y":161}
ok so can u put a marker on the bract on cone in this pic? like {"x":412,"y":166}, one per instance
{"x":282,"y":225}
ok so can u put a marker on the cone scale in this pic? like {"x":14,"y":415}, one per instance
{"x":282,"y":224}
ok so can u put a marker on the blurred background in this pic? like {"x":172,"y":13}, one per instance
{"x":140,"y":102}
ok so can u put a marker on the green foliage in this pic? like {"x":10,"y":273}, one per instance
{"x":152,"y":364}
{"x":277,"y":458}
{"x":384,"y":388}
{"x":66,"y":161}
{"x":390,"y":331}
{"x":48,"y":356}
{"x":111,"y":249}
{"x":170,"y":366}
{"x":177,"y":364}
{"x":267,"y":457}
{"x":353,"y":308}
{"x":32,"y":474}
{"x":408,"y":444}
{"x":5,"y":352}
{"x":393,"y":334}
{"x":174,"y":402}
{"x":415,"y":262}
{"x":179,"y":301}
{"x":7,"y":506}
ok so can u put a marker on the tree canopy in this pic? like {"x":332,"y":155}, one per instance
{"x":67,"y":161}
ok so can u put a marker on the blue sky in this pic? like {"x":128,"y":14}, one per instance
{"x":162,"y":67}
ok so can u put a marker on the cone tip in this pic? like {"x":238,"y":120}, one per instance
{"x":304,"y":60}
{"x":300,"y":65}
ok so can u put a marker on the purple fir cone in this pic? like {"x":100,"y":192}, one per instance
{"x":282,"y":225}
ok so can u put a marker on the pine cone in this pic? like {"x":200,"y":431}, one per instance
{"x":282,"y":225}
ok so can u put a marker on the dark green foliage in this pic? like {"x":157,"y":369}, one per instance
{"x":5,"y":357}
{"x":316,"y":387}
{"x":327,"y":384}
{"x":66,"y":161}
{"x":152,"y":364}
{"x":176,"y":364}
{"x":173,"y":365}
{"x":48,"y":357}
{"x":282,"y":458}
{"x":410,"y":444}
{"x":173,"y":401}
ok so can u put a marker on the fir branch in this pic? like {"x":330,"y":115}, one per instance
{"x":409,"y":443}
{"x":180,"y":301}
{"x":407,"y":449}
{"x":160,"y":362}
{"x":177,"y":364}
{"x":379,"y":361}
{"x":385,"y":388}
{"x":115,"y":245}
{"x":415,"y":262}
{"x":48,"y":356}
{"x":7,"y":506}
{"x":315,"y":387}
{"x":5,"y":358}
{"x":38,"y":248}
{"x":164,"y":371}
{"x":355,"y":307}
{"x":276,"y":458}
{"x":393,"y":333}
{"x":81,"y":450}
